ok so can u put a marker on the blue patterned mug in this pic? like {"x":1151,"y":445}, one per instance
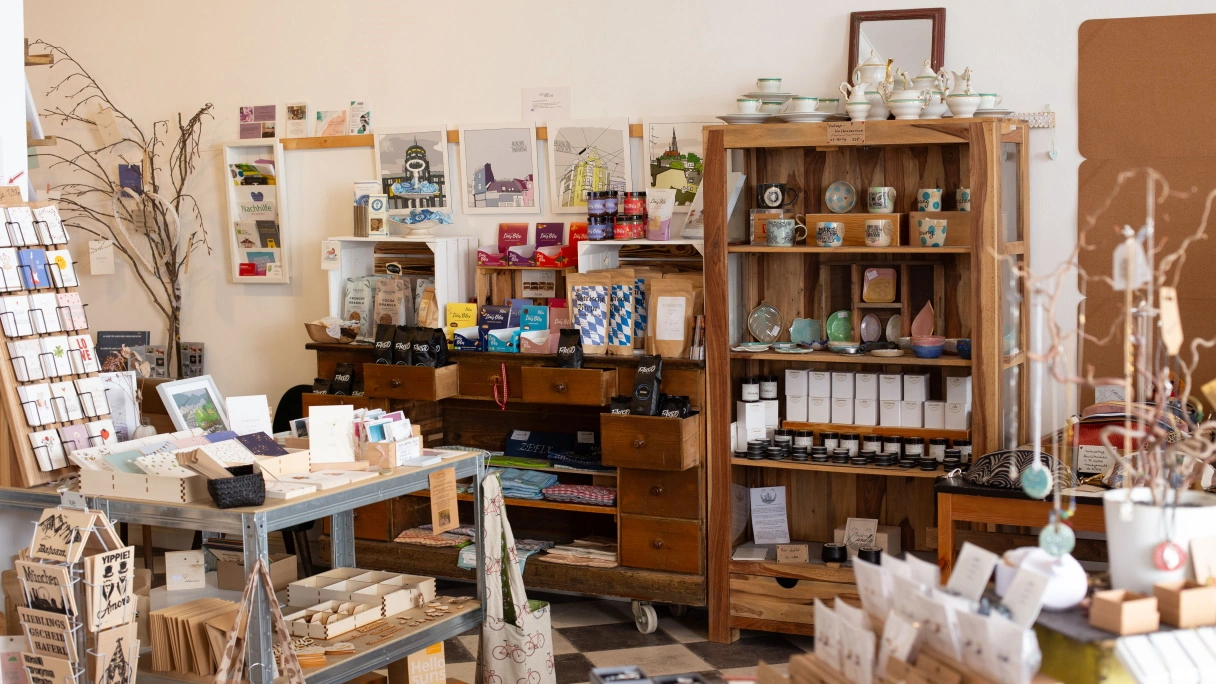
{"x":962,"y":199}
{"x":783,"y":232}
{"x":880,"y":200}
{"x":929,"y":199}
{"x":829,"y":233}
{"x":932,"y":232}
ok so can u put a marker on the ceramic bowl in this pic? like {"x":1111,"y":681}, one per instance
{"x":932,"y":232}
{"x":928,"y":347}
{"x":905,"y":109}
{"x":904,"y":343}
{"x":962,"y":106}
{"x":858,"y":112}
{"x":964,"y":349}
{"x":844,"y":347}
{"x":840,"y":197}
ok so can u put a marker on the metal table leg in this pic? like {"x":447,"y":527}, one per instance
{"x":261,"y":654}
{"x":208,"y":559}
{"x":480,"y":570}
{"x":342,"y":538}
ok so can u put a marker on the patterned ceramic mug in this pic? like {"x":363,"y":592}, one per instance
{"x":932,"y":232}
{"x":783,"y":232}
{"x":829,"y":233}
{"x":878,"y":233}
{"x":929,"y":199}
{"x":880,"y":200}
{"x":962,"y":199}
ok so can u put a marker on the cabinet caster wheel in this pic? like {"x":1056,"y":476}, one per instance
{"x":678,"y":610}
{"x":646,"y":618}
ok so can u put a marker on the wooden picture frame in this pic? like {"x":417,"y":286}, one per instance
{"x":937,"y":15}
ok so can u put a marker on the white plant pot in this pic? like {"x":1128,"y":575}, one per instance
{"x":1130,"y":544}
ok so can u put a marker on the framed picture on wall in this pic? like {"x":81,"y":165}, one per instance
{"x":194,"y":403}
{"x":585,"y":156}
{"x":498,"y":163}
{"x":675,"y":155}
{"x":412,"y":165}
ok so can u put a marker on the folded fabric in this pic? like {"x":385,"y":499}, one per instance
{"x":525,"y":484}
{"x":464,"y":530}
{"x":517,"y":462}
{"x":576,"y":461}
{"x":597,"y":552}
{"x":585,"y":494}
{"x":417,"y":535}
{"x":523,"y":548}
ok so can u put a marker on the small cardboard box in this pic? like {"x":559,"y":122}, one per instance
{"x":231,"y":574}
{"x":935,"y":415}
{"x":818,"y":410}
{"x":842,"y":411}
{"x":1186,"y":604}
{"x":958,"y":416}
{"x":888,"y":413}
{"x":842,"y":385}
{"x":749,"y":415}
{"x":772,"y":413}
{"x":307,"y":622}
{"x":958,"y":389}
{"x":795,"y":408}
{"x":865,"y":386}
{"x":911,"y":413}
{"x":796,"y":383}
{"x":887,"y":537}
{"x":342,"y":591}
{"x":916,"y":387}
{"x":1124,"y":612}
{"x":865,"y":412}
{"x":818,"y":384}
{"x":891,"y":387}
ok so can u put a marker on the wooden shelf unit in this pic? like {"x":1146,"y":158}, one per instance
{"x":963,"y":280}
{"x":536,"y":503}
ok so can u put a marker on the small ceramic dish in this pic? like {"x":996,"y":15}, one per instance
{"x":840,"y":326}
{"x":928,"y":347}
{"x":850,"y":348}
{"x":840,"y":197}
{"x":764,"y":323}
{"x":752,"y":347}
{"x":893,"y":326}
{"x":887,"y":352}
{"x":964,"y":349}
{"x":904,"y":342}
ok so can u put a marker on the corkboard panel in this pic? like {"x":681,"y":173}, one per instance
{"x":1176,"y":219}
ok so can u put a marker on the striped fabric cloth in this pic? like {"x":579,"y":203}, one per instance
{"x":417,"y":535}
{"x":583,"y":494}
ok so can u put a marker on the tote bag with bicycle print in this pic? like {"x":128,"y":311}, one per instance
{"x":516,"y":639}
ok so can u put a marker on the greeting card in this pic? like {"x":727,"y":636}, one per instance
{"x":229,"y":452}
{"x":163,"y":464}
{"x":44,"y":313}
{"x":10,"y":279}
{"x":50,"y":226}
{"x":15,"y":316}
{"x":74,"y":437}
{"x":65,"y":401}
{"x":49,"y":587}
{"x":102,"y":430}
{"x":57,"y":363}
{"x":31,"y":263}
{"x":71,"y":311}
{"x":83,"y":356}
{"x":92,"y":394}
{"x":21,"y":226}
{"x":36,"y":401}
{"x":27,"y":365}
{"x":63,"y":273}
{"x":48,"y":450}
{"x":261,"y":444}
{"x":61,"y":534}
{"x":109,"y":597}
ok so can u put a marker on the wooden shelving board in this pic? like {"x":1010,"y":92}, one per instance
{"x":807,"y":249}
{"x":537,"y":503}
{"x":368,"y":140}
{"x":831,"y":357}
{"x":820,"y":572}
{"x":927,"y":433}
{"x":893,"y":471}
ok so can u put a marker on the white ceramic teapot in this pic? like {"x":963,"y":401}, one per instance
{"x":854,"y":94}
{"x":926,"y":79}
{"x":873,"y":70}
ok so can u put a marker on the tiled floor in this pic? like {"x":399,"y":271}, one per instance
{"x":591,"y":633}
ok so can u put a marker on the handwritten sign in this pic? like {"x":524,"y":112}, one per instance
{"x":859,"y":532}
{"x":793,"y":553}
{"x":846,"y":132}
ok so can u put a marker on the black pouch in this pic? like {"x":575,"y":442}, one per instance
{"x":344,"y":379}
{"x":672,"y":406}
{"x":384,"y":342}
{"x":439,"y":347}
{"x":420,"y":348}
{"x":403,"y":339}
{"x":356,"y":389}
{"x":645,"y":399}
{"x":620,"y":405}
{"x":569,"y":348}
{"x":321,"y":386}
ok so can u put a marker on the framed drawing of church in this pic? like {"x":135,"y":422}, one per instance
{"x":674,"y":155}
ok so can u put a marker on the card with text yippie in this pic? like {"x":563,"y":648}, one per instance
{"x":108,"y":578}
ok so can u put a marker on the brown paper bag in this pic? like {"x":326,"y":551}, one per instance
{"x":670,"y":314}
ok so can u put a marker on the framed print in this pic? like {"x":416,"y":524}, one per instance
{"x":585,"y":156}
{"x":412,"y":165}
{"x":194,"y":403}
{"x":498,"y":163}
{"x":675,"y":155}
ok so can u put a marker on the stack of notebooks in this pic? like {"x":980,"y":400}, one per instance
{"x":595,"y":552}
{"x":190,"y":637}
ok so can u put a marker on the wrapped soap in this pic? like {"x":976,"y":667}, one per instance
{"x":878,"y":285}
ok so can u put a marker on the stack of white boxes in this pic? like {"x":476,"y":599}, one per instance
{"x":958,"y":403}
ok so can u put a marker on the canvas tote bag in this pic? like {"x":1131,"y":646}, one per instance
{"x":232,"y":665}
{"x":516,"y":640}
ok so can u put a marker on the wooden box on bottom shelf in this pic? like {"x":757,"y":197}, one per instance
{"x":790,"y":601}
{"x":660,"y":544}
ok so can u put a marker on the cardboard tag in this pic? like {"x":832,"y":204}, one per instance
{"x":874,"y":586}
{"x":444,"y":515}
{"x":47,"y":669}
{"x":900,"y":637}
{"x":857,"y":656}
{"x":827,"y":635}
{"x":49,"y":587}
{"x":101,"y":257}
{"x":973,"y":642}
{"x":846,"y":132}
{"x":1203,"y":558}
{"x":184,"y":570}
{"x":1171,"y":319}
{"x":793,"y":553}
{"x":61,"y":535}
{"x":109,"y":596}
{"x":971,"y":571}
{"x":73,"y":499}
{"x":50,"y":634}
{"x":1024,"y":598}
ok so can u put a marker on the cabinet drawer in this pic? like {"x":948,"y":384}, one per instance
{"x":651,"y":442}
{"x":764,"y":598}
{"x":665,"y":493}
{"x":477,"y":379}
{"x":580,"y":386}
{"x":660,"y":544}
{"x":680,"y":383}
{"x":410,"y":382}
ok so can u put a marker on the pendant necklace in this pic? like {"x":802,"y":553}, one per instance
{"x":1168,"y":555}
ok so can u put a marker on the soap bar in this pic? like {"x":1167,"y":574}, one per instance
{"x":878,"y":285}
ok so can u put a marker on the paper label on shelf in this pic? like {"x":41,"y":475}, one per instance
{"x":669,"y":318}
{"x":793,"y":553}
{"x":1094,"y":459}
{"x":846,"y":132}
{"x":71,"y":499}
{"x":331,"y":255}
{"x":520,"y":434}
{"x":586,"y":437}
{"x":769,"y":525}
{"x":444,"y":514}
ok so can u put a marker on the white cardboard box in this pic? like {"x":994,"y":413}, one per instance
{"x":772,"y":413}
{"x":750,"y":416}
{"x":888,"y":413}
{"x":935,"y":415}
{"x":891,"y":387}
{"x":818,"y":410}
{"x":818,"y":384}
{"x":842,"y":410}
{"x":958,"y":416}
{"x":795,"y":383}
{"x":795,"y":408}
{"x":865,"y":412}
{"x":842,"y":385}
{"x":916,"y":387}
{"x":734,"y":436}
{"x":865,"y":386}
{"x":958,"y":389}
{"x":911,"y":413}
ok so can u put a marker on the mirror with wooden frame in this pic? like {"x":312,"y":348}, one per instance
{"x":908,"y":37}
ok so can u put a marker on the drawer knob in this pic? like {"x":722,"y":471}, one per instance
{"x":657,"y":490}
{"x":639,"y":443}
{"x":394,"y":383}
{"x":658,"y":543}
{"x":559,"y":387}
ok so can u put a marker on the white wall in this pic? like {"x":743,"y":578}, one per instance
{"x":422,"y":63}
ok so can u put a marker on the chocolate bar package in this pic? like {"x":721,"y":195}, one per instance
{"x":344,"y":379}
{"x":491,"y":317}
{"x":570,"y":349}
{"x":646,"y":381}
{"x":384,"y":342}
{"x":549,"y":234}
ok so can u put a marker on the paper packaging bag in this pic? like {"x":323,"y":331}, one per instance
{"x":534,"y":342}
{"x":621,"y":312}
{"x":587,"y":294}
{"x":640,"y":275}
{"x":231,"y":575}
{"x":391,"y":297}
{"x":670,"y":304}
{"x":559,"y":319}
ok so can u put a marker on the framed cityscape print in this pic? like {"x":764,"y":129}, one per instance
{"x":194,"y":403}
{"x":586,"y":156}
{"x":675,"y":155}
{"x":498,"y":163}
{"x":412,"y":165}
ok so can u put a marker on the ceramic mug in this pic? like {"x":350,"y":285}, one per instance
{"x":929,"y":199}
{"x":775,"y":195}
{"x":880,"y":200}
{"x":879,"y":233}
{"x":962,"y":199}
{"x":829,"y":104}
{"x":932,"y":232}
{"x":829,"y":233}
{"x":784,"y":232}
{"x":990,"y":100}
{"x":748,"y":105}
{"x":772,"y":106}
{"x":768,"y":85}
{"x":803,"y":104}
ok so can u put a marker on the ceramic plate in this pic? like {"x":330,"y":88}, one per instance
{"x":871,"y":328}
{"x":893,"y":325}
{"x":794,"y":350}
{"x":804,"y":117}
{"x":993,"y":112}
{"x":887,"y":352}
{"x":840,"y":326}
{"x":758,"y":95}
{"x":764,"y":323}
{"x":751,"y":347}
{"x":805,"y":331}
{"x":754,"y":118}
{"x":840,"y":197}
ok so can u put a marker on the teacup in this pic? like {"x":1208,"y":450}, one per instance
{"x":879,"y":233}
{"x":962,"y":105}
{"x":768,"y":85}
{"x":784,"y":232}
{"x":990,"y":100}
{"x":929,"y":199}
{"x":932,"y":232}
{"x":880,"y":200}
{"x":829,"y":104}
{"x":803,"y":104}
{"x":829,"y":233}
{"x":771,"y":106}
{"x":748,"y":105}
{"x":858,"y":112}
{"x":962,"y":199}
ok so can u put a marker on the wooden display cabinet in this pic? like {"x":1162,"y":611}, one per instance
{"x":966,"y":281}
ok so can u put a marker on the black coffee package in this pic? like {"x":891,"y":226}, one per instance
{"x":645,"y":399}
{"x":321,"y":385}
{"x":421,"y":353}
{"x":403,"y":340}
{"x":384,"y":342}
{"x":356,"y":389}
{"x":439,"y":347}
{"x":620,"y":405}
{"x":569,"y":348}
{"x":344,"y":379}
{"x":672,"y":406}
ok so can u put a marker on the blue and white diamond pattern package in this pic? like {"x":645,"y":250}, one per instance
{"x":620,"y":319}
{"x":639,"y":310}
{"x":589,"y":304}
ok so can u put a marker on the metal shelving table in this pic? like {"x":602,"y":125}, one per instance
{"x":254,"y":523}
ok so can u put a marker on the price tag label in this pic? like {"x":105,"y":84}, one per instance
{"x":793,"y":553}
{"x":73,"y":499}
{"x":846,"y":132}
